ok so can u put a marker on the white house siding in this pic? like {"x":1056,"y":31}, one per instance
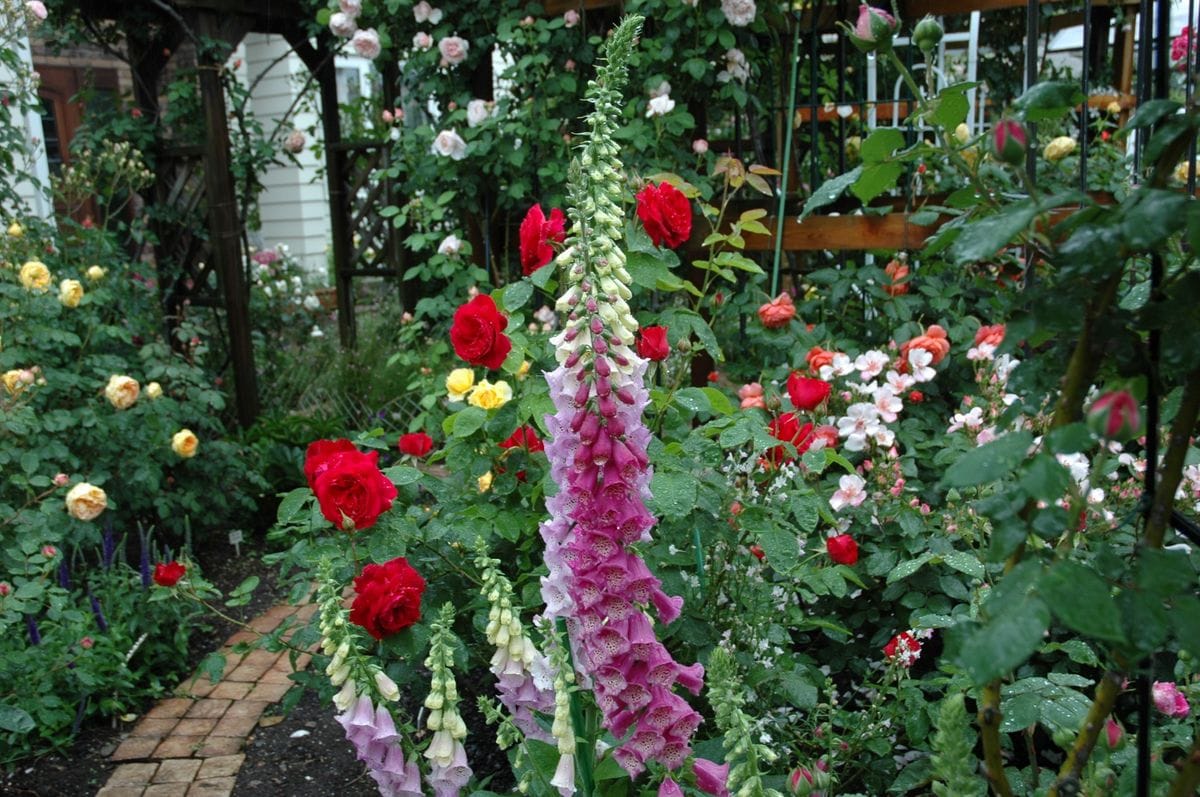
{"x":33,"y":193}
{"x":294,"y":203}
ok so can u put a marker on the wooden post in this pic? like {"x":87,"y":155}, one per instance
{"x":224,"y":234}
{"x":339,"y":203}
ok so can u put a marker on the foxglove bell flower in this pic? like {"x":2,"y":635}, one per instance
{"x":597,"y":452}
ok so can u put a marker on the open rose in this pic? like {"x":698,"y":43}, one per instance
{"x":415,"y":444}
{"x":387,"y":598}
{"x":778,"y":312}
{"x":665,"y":213}
{"x":348,"y":483}
{"x":34,"y":276}
{"x":818,"y":357}
{"x":933,"y":341}
{"x":449,"y":144}
{"x":788,"y":429}
{"x":86,"y":501}
{"x":167,"y":574}
{"x":184,"y":443}
{"x":121,"y":391}
{"x":454,"y":50}
{"x":342,"y":25}
{"x":525,"y":437}
{"x":842,"y":549}
{"x":536,"y":233}
{"x":897,"y":272}
{"x":478,"y":333}
{"x":70,"y":293}
{"x":752,"y":396}
{"x":991,"y":334}
{"x":652,"y":343}
{"x":807,"y":394}
{"x":366,"y":43}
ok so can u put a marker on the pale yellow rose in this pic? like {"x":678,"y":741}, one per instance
{"x":962,"y":133}
{"x":95,"y":273}
{"x":15,"y":230}
{"x":1059,"y":148}
{"x":459,"y":383}
{"x":70,"y":292}
{"x":185,"y":443}
{"x":122,"y":391}
{"x":153,"y":391}
{"x":490,"y":396}
{"x":86,"y":501}
{"x":1114,"y":108}
{"x":35,"y":276}
{"x":13,"y":382}
{"x":485,"y":482}
{"x":523,"y":371}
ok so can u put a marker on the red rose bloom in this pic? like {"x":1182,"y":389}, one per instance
{"x":525,"y":437}
{"x":807,"y":394}
{"x":903,"y":648}
{"x":478,"y":333}
{"x":665,"y":213}
{"x":388,"y":598}
{"x":652,"y":343}
{"x":415,"y":444}
{"x":788,"y":429}
{"x":842,"y":549}
{"x":167,"y":574}
{"x":536,"y":234}
{"x":348,"y":483}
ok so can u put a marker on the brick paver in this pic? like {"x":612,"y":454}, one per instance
{"x":191,"y":744}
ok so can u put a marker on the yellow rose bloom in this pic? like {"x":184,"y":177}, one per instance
{"x":962,"y":133}
{"x":485,"y":482}
{"x":35,"y":276}
{"x":153,"y":390}
{"x":95,"y":273}
{"x":1114,"y":108}
{"x":185,"y":443}
{"x":122,"y":391}
{"x":490,"y":396}
{"x":15,"y":230}
{"x":459,"y":383}
{"x":13,"y":382}
{"x":70,"y":292}
{"x":523,"y":371}
{"x":86,"y":501}
{"x":1059,"y":148}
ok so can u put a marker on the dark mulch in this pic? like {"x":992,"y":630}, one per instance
{"x":83,"y":768}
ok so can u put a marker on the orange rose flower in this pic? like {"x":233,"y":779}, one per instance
{"x":897,"y":272}
{"x":933,"y":341}
{"x":778,"y":312}
{"x":817,"y":357}
{"x":992,"y":335}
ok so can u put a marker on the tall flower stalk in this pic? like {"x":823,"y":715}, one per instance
{"x":597,"y":453}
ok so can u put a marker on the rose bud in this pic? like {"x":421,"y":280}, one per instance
{"x":927,"y":34}
{"x":873,"y":31}
{"x":1115,"y":416}
{"x":1009,"y":141}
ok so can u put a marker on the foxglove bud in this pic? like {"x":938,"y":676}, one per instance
{"x":1115,"y":416}
{"x":1009,"y":142}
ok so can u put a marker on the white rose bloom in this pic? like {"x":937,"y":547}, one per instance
{"x":449,"y":144}
{"x":342,"y":25}
{"x":739,"y":13}
{"x":477,"y":112}
{"x":450,"y":245}
{"x":660,"y":106}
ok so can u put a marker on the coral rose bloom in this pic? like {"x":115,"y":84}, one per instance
{"x":818,"y":357}
{"x":992,"y":335}
{"x":933,"y":341}
{"x":898,"y":274}
{"x":778,"y":312}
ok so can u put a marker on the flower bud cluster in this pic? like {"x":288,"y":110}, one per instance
{"x":563,"y":729}
{"x":742,"y":751}
{"x":521,"y":671}
{"x":449,"y":770}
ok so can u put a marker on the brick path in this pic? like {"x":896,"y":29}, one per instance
{"x":191,"y":744}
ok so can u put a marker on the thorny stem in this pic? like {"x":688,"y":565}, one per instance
{"x":1188,"y":779}
{"x":1172,"y":468}
{"x":1102,"y":706}
{"x":989,"y":731}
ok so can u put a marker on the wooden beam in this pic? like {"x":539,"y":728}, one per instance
{"x":843,"y":233}
{"x":224,"y":230}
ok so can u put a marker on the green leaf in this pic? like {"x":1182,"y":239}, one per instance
{"x":403,"y":474}
{"x":880,"y":145}
{"x":1082,"y":601}
{"x":1153,"y":216}
{"x":719,"y":402}
{"x":950,"y":109}
{"x":674,"y":494}
{"x":694,"y":400}
{"x":517,"y":294}
{"x":1151,"y":112}
{"x":15,"y":720}
{"x":798,"y":689}
{"x":1045,"y":479}
{"x":989,"y":462}
{"x":876,"y":178}
{"x":1048,"y":99}
{"x":1185,"y":616}
{"x":804,"y":509}
{"x":908,"y":567}
{"x":780,"y":547}
{"x":1164,"y":573}
{"x":982,"y":239}
{"x":829,"y":191}
{"x":964,"y":563}
{"x":1001,"y":644}
{"x":469,"y":421}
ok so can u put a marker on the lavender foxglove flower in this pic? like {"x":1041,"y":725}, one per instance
{"x":598,"y":458}
{"x":144,"y":560}
{"x":64,"y":574}
{"x":377,"y":744}
{"x":35,"y":634}
{"x":108,"y":545}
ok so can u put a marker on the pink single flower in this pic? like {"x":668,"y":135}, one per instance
{"x":1169,"y":700}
